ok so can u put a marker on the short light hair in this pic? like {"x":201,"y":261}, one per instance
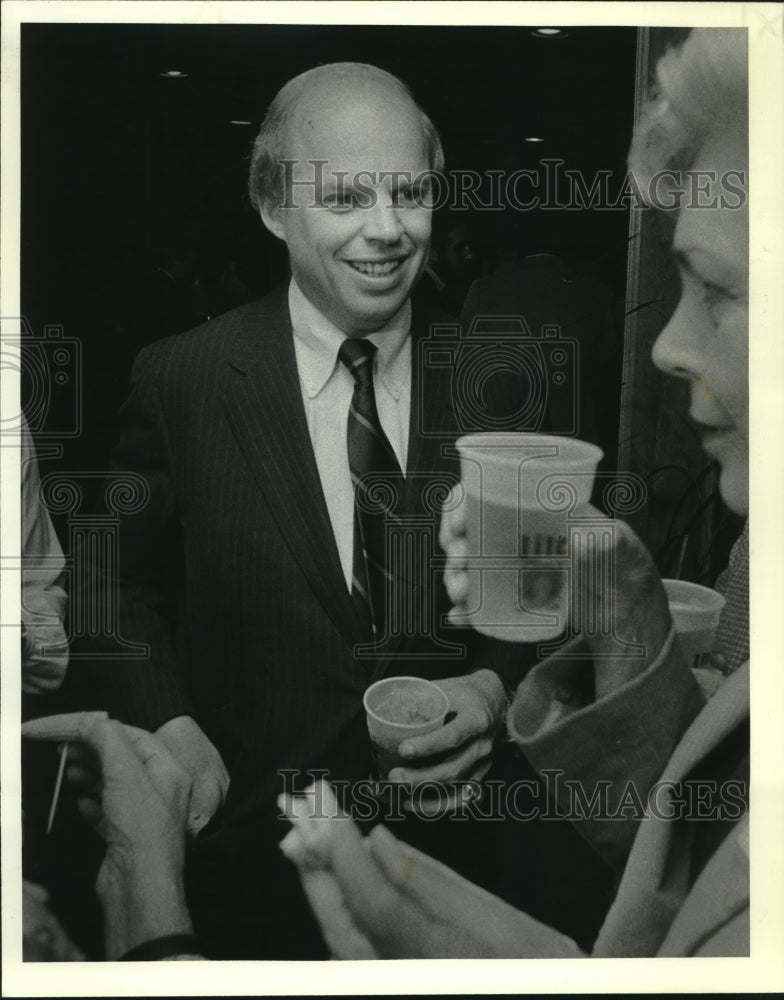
{"x":265,"y":183}
{"x":701,"y":94}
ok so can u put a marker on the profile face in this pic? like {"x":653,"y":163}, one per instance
{"x":707,"y":339}
{"x":358,"y":254}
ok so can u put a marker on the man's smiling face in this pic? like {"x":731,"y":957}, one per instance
{"x":359,"y":252}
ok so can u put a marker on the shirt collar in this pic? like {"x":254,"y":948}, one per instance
{"x":317,"y":341}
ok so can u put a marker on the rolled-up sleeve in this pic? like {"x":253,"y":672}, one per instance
{"x":602,"y":756}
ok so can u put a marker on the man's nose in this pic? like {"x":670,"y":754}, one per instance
{"x":676,"y":351}
{"x":382,"y":220}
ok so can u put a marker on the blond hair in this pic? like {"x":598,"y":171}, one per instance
{"x":701,"y":94}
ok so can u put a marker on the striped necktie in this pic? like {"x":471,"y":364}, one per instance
{"x":376,"y":476}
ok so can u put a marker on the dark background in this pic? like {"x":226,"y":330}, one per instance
{"x":120,"y":163}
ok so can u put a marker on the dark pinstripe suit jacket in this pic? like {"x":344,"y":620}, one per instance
{"x":230,"y":573}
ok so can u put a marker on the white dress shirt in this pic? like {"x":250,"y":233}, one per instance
{"x":327,"y":388}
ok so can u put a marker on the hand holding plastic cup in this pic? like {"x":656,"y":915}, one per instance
{"x":398,"y":708}
{"x":695,"y":612}
{"x":520,"y":490}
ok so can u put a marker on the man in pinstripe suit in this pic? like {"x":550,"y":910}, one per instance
{"x":237,"y":573}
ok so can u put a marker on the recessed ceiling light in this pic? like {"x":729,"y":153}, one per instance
{"x":174,"y":74}
{"x":233,"y":122}
{"x":549,"y":33}
{"x":533,"y":138}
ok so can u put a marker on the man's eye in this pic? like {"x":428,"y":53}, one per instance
{"x":341,"y":202}
{"x":418,"y":197}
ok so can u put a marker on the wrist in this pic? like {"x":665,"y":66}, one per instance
{"x":170,"y":946}
{"x":494,"y":690}
{"x":141,"y":902}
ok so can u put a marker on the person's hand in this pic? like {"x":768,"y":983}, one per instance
{"x":44,"y":654}
{"x":461,"y":749}
{"x":624,"y":599}
{"x":209,"y":778}
{"x":452,"y":539}
{"x":135,"y":795}
{"x":43,"y":938}
{"x":375,"y":897}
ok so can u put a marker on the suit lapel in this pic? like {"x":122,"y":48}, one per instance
{"x":727,"y":708}
{"x":705,"y":910}
{"x":263,"y":403}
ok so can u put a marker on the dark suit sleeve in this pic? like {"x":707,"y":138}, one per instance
{"x":149,"y":690}
{"x":603,"y":747}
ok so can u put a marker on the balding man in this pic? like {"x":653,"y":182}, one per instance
{"x":267,"y":601}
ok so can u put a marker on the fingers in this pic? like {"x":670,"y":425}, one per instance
{"x":453,"y":541}
{"x":206,"y":797}
{"x":167,"y":775}
{"x":376,"y":910}
{"x":391,"y":855}
{"x":90,"y":811}
{"x":155,"y":757}
{"x":471,"y":762}
{"x":464,"y":727}
{"x":452,"y":519}
{"x":63,"y":728}
{"x":222,"y":775}
{"x":87,"y":781}
{"x":461,"y":748}
{"x":373,"y":898}
{"x":104,"y":754}
{"x":469,"y":699}
{"x":455,"y":574}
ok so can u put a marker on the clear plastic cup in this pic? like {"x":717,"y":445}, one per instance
{"x":520,"y":490}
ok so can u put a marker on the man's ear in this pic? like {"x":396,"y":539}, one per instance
{"x":272,"y":218}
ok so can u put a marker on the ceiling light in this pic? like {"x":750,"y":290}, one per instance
{"x":549,"y":33}
{"x":174,"y":74}
{"x":233,"y":122}
{"x":533,"y":138}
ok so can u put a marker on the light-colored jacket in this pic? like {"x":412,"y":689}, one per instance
{"x":656,"y":910}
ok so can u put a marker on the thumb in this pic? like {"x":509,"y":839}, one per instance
{"x":206,"y":798}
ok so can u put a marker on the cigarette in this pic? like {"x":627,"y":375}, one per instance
{"x":57,"y":786}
